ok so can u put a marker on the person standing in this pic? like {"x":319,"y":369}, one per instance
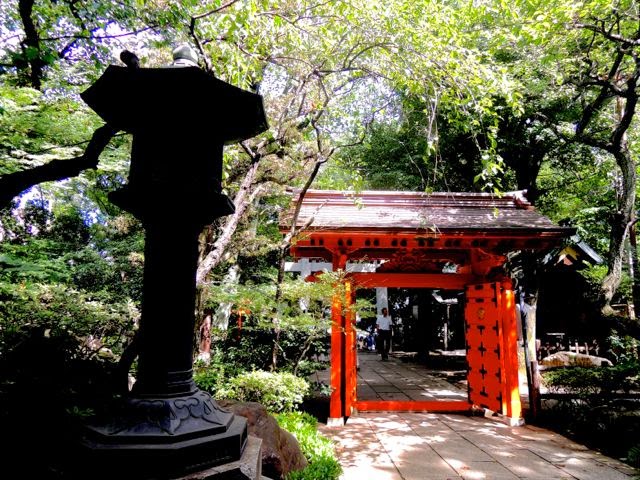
{"x":383,"y":325}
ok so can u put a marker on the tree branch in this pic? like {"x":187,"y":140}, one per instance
{"x":617,"y":137}
{"x":196,"y":39}
{"x":98,"y":37}
{"x":608,"y":35}
{"x":600,"y":100}
{"x":214,"y":11}
{"x":241,"y":202}
{"x":12,"y":184}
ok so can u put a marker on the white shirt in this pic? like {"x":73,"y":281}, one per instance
{"x":383,"y":323}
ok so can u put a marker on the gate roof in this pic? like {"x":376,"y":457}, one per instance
{"x":414,"y":211}
{"x":381,"y":224}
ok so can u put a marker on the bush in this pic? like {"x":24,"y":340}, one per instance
{"x":277,"y":391}
{"x":215,"y":374}
{"x":622,"y":348}
{"x":252,"y":348}
{"x":321,"y":469}
{"x":318,"y":449}
{"x":594,"y":381}
{"x":591,"y":409}
{"x":56,"y":310}
{"x":633,"y":456}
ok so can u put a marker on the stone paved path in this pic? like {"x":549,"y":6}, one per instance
{"x":426,"y":446}
{"x":402,"y":381}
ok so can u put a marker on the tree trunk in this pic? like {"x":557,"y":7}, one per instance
{"x":230,"y":282}
{"x":621,"y":220}
{"x":531,"y":352}
{"x":211,"y":258}
{"x":633,"y":254}
{"x":241,"y":201}
{"x":282,"y":256}
{"x":31,"y":44}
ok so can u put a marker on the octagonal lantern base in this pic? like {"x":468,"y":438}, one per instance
{"x":162,"y":438}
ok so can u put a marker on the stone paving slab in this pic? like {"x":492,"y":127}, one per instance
{"x":428,"y":446}
{"x":526,"y":464}
{"x":393,"y":396}
{"x":385,"y":389}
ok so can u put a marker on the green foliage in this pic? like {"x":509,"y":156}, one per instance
{"x":321,"y":469}
{"x":64,"y":318}
{"x":586,"y":382}
{"x":390,"y":159}
{"x":633,"y":456}
{"x":625,"y":348}
{"x":214,"y":375}
{"x":59,"y":247}
{"x":62,"y":311}
{"x":318,"y":449}
{"x":37,"y":129}
{"x":58,"y":352}
{"x":590,"y":411}
{"x":595,"y":274}
{"x":301,"y":315}
{"x":277,"y":391}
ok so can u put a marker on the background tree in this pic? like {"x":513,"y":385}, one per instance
{"x":368,"y":94}
{"x":609,"y":89}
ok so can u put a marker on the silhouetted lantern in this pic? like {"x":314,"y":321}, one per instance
{"x":180,"y":119}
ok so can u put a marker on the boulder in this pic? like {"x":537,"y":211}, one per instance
{"x":281,"y":452}
{"x":572,"y":359}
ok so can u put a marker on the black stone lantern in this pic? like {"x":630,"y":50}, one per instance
{"x":180,"y":119}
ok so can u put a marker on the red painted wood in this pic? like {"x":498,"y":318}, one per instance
{"x":379,"y":243}
{"x":411,"y":230}
{"x":511,"y":384}
{"x":350,"y":350}
{"x":447,"y":281}
{"x":492,"y":355}
{"x":412,"y":406}
{"x":336,"y":405}
{"x":335,"y":402}
{"x":483,"y":318}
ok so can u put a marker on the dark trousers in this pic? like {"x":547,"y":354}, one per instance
{"x":384,"y":342}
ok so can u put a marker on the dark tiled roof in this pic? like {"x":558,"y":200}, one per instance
{"x":411,"y":211}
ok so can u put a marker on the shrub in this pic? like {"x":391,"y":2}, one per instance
{"x":591,"y":409}
{"x":578,"y":380}
{"x":321,"y":469}
{"x":622,"y":349}
{"x":584,"y":382}
{"x":215,"y":374}
{"x":318,"y":449}
{"x":277,"y":391}
{"x":633,"y":456}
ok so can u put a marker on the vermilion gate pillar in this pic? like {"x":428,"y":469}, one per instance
{"x":491,"y":343}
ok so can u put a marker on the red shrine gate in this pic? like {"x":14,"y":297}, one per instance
{"x":442,"y":241}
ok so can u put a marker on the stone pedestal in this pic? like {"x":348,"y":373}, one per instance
{"x":159,"y":438}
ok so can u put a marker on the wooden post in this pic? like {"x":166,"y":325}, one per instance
{"x":510,"y":348}
{"x":350,"y":349}
{"x":531,"y":358}
{"x":336,"y":402}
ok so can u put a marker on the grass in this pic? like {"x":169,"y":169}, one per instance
{"x":318,"y":449}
